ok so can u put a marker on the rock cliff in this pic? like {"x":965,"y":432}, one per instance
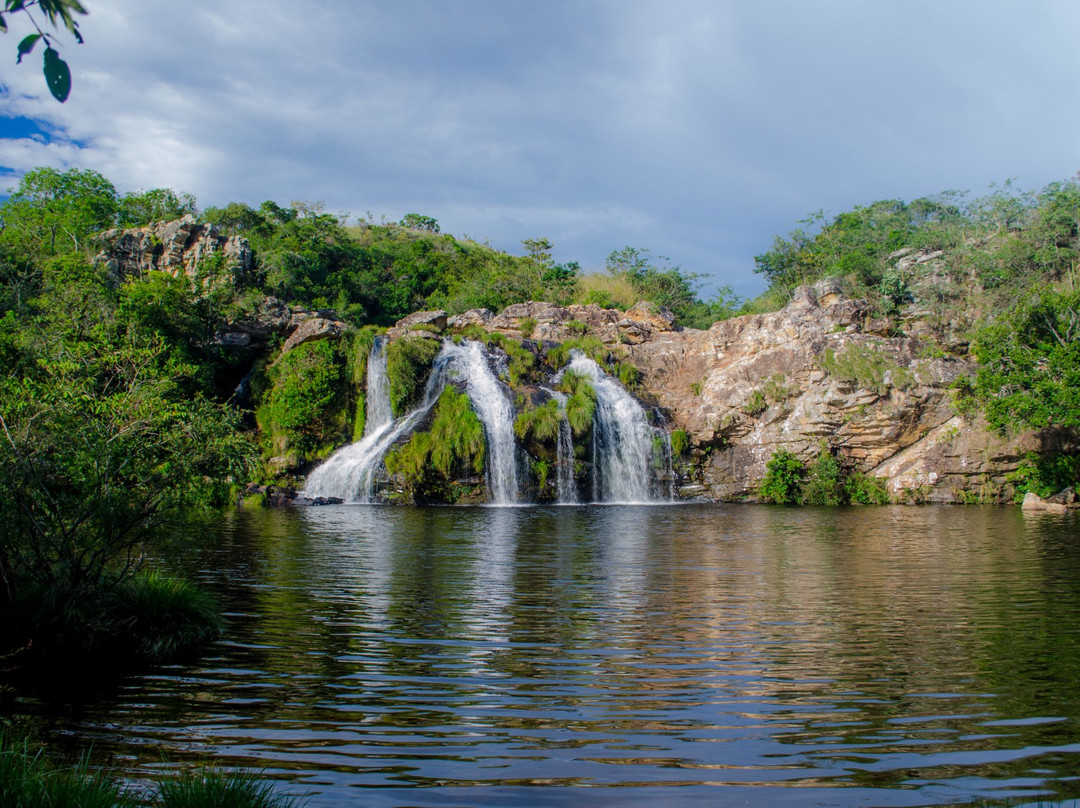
{"x":821,"y":372}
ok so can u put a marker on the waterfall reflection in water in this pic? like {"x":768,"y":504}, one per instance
{"x":693,"y":655}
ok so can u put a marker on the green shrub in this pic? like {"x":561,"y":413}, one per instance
{"x":1045,"y":475}
{"x":408,"y":364}
{"x":784,"y":474}
{"x":576,"y":327}
{"x":867,"y":368}
{"x":526,"y":326}
{"x":824,"y":482}
{"x":680,"y":442}
{"x":866,"y":490}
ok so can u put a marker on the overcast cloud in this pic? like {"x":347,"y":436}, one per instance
{"x":696,"y":128}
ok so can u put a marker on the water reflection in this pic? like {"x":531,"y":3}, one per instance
{"x":657,"y":655}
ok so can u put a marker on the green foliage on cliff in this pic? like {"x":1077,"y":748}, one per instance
{"x":455,"y":445}
{"x":580,"y":402}
{"x":408,"y":364}
{"x":540,"y":424}
{"x":867,"y":368}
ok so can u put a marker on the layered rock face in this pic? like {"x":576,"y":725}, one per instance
{"x":177,"y":247}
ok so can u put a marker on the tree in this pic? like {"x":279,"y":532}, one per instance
{"x":57,"y":73}
{"x":100,"y":448}
{"x":1029,"y":374}
{"x":53,"y":212}
{"x":156,"y":205}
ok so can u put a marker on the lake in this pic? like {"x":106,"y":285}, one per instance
{"x":698,"y":655}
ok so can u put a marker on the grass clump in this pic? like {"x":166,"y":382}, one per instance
{"x":755,"y":404}
{"x":408,"y":364}
{"x":146,"y":618}
{"x":540,"y":424}
{"x":28,"y":779}
{"x":680,"y":442}
{"x":213,"y":788}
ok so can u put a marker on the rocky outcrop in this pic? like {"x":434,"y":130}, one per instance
{"x":180,"y":247}
{"x":820,"y":373}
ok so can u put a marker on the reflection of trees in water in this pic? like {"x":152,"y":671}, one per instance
{"x":821,"y":634}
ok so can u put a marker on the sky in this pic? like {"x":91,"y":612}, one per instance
{"x":697,"y":129}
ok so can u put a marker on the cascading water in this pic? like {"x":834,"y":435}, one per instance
{"x":495,"y":411}
{"x":379,"y":413}
{"x":351,"y":472}
{"x":622,"y":439}
{"x":566,"y":485}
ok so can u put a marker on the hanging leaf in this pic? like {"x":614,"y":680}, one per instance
{"x":26,"y":46}
{"x":57,"y":75}
{"x":3,"y":25}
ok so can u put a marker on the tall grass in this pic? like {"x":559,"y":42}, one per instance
{"x":30,"y":779}
{"x":213,"y":788}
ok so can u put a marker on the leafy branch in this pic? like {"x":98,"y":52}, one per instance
{"x":57,"y":73}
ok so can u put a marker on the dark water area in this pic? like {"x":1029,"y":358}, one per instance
{"x":631,"y":656}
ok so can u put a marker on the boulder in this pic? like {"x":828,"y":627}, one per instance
{"x":479,"y":317}
{"x":312,"y":329}
{"x":434,"y":319}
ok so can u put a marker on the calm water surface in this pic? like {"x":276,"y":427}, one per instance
{"x":652,"y":656}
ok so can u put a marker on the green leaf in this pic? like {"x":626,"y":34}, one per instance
{"x":3,"y":25}
{"x":57,"y":75}
{"x":26,"y":46}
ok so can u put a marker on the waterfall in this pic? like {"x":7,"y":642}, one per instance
{"x":622,"y":439}
{"x":350,"y":473}
{"x":492,"y":404}
{"x":379,"y":412}
{"x":566,"y":484}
